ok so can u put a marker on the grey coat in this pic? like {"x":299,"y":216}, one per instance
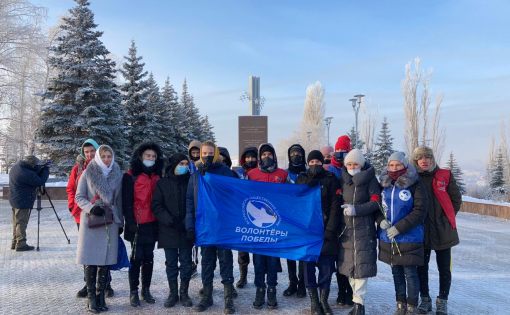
{"x":357,"y":257}
{"x":99,"y":246}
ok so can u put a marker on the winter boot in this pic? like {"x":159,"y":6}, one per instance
{"x":271,"y":298}
{"x":206,"y":299}
{"x":291,"y":290}
{"x":441,"y":307}
{"x":146,"y":282}
{"x":425,"y":306}
{"x":324,"y":296}
{"x":228,"y":289}
{"x":243,"y":271}
{"x":234,"y":292}
{"x":315,"y":306}
{"x":401,"y":309}
{"x":13,"y":244}
{"x":183,"y":294}
{"x":348,"y":294}
{"x":134,"y":299}
{"x":109,"y":291}
{"x":301,"y":289}
{"x":358,"y":309}
{"x":260,"y":296}
{"x":103,"y":280}
{"x":90,"y":277}
{"x":411,"y":310}
{"x":82,"y":293}
{"x":173,"y":297}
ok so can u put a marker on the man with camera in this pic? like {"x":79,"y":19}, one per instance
{"x":24,"y":178}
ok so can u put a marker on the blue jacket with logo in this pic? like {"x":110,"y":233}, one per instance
{"x":403,"y":203}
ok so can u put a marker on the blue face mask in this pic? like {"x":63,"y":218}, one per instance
{"x":181,"y":170}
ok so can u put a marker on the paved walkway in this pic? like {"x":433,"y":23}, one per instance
{"x":46,"y":282}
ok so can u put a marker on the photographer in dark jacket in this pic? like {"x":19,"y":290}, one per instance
{"x":138,"y":185}
{"x":331,"y":200}
{"x":169,"y":206}
{"x":24,"y":178}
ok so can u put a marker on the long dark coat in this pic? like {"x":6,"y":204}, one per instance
{"x":357,"y":257}
{"x":169,"y":206}
{"x":330,"y":200}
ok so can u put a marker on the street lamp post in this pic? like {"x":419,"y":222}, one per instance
{"x":356,"y":103}
{"x":328,"y":123}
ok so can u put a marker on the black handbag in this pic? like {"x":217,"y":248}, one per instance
{"x":97,"y":221}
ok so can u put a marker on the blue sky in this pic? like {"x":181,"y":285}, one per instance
{"x":351,"y":47}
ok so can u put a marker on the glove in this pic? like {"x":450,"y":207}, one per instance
{"x":121,"y":230}
{"x":70,"y":209}
{"x":392,"y":232}
{"x":385,"y":224}
{"x":190,"y":235}
{"x":132,"y":228}
{"x":97,"y":210}
{"x":330,"y":235}
{"x":349,"y":210}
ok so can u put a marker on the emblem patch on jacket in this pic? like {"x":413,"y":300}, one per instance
{"x":404,"y":195}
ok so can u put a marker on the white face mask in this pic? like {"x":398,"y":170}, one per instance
{"x":354,"y":171}
{"x":149,"y":163}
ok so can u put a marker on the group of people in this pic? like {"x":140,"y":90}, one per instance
{"x":410,"y":209}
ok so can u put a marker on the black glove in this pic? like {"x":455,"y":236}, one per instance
{"x":330,"y":235}
{"x":70,"y":209}
{"x":190,"y":235}
{"x":121,"y":230}
{"x":97,"y":210}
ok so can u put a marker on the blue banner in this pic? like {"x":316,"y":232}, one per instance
{"x":279,"y":220}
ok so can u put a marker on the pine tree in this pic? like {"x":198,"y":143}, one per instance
{"x":175,"y":119}
{"x":159,"y":114}
{"x":207,"y":130}
{"x":191,"y":115}
{"x":353,"y":136}
{"x":139,"y":118}
{"x":384,"y":148}
{"x":497,"y":181}
{"x":81,"y":100}
{"x":457,"y":173}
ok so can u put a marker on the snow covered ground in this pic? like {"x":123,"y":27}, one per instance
{"x":47,"y":281}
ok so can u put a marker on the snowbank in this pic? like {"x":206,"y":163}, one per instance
{"x":485,"y":201}
{"x":52,"y":181}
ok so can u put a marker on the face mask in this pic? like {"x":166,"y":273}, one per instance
{"x":267,"y":163}
{"x":327,"y":161}
{"x":339,"y":156}
{"x":296,"y":160}
{"x":396,"y":174}
{"x":208,"y":160}
{"x":149,"y":163}
{"x":181,"y":170}
{"x":354,"y":171}
{"x":194,"y":158}
{"x":315,"y":170}
{"x":249,"y":165}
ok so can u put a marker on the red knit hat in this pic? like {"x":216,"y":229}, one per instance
{"x":343,"y":143}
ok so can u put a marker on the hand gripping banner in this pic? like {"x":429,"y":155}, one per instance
{"x":270,"y":219}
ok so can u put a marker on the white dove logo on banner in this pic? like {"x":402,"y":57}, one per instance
{"x":260,"y":213}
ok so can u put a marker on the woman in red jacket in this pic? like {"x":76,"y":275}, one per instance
{"x":141,"y":227}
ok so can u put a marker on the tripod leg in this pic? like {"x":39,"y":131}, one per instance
{"x":58,"y":218}
{"x":38,"y":225}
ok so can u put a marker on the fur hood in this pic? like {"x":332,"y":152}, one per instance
{"x":103,"y":186}
{"x":404,"y":181}
{"x":136,"y":163}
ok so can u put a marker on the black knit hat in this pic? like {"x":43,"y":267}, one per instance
{"x":315,"y":155}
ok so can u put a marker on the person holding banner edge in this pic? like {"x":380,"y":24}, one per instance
{"x":331,"y":199}
{"x":210,"y":162}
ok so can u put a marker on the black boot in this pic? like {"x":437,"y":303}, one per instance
{"x":206,"y":299}
{"x":315,"y":306}
{"x":290,"y":290}
{"x":103,"y":280}
{"x":173,"y":297}
{"x":82,"y":293}
{"x":134,"y":299}
{"x":146,"y":282}
{"x":358,"y":309}
{"x":90,"y":277}
{"x":243,"y":272}
{"x":228,"y":289}
{"x":301,"y":289}
{"x":271,"y":298}
{"x":324,"y":295}
{"x":109,"y":290}
{"x":183,"y":294}
{"x":260,"y":296}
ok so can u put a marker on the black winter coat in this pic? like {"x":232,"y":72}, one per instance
{"x":169,"y":207}
{"x":439,"y":234}
{"x":404,"y":253}
{"x":23,"y":182}
{"x":358,"y":247}
{"x":330,"y":200}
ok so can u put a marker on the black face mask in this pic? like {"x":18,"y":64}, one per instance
{"x":327,"y":161}
{"x":250,"y":165}
{"x":339,"y":156}
{"x":267,"y":164}
{"x":208,"y":161}
{"x":296,"y":160}
{"x":315,"y":170}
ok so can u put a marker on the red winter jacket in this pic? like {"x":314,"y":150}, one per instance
{"x":142,"y":199}
{"x":72,"y":186}
{"x":278,"y":176}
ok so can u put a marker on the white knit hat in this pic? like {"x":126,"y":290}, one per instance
{"x":355,"y":156}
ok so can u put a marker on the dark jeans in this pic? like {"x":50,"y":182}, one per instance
{"x":209,"y":256}
{"x":444,"y":261}
{"x":406,"y":280}
{"x":266,"y":265}
{"x":243,"y":258}
{"x":326,"y":265}
{"x":142,"y":256}
{"x":291,"y":268}
{"x":181,"y":255}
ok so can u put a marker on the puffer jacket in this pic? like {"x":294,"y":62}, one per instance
{"x":357,"y":257}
